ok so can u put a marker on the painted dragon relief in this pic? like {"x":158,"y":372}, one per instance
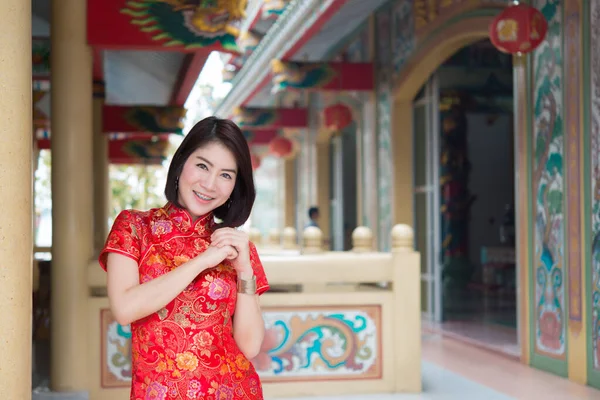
{"x":116,"y":354}
{"x":320,"y":344}
{"x":192,"y":24}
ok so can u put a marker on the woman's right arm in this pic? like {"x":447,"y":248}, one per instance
{"x":130,"y":300}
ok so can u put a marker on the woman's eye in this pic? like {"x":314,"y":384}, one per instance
{"x":226,"y":176}
{"x":203,"y":166}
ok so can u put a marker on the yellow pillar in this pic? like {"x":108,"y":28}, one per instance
{"x":368,"y":162}
{"x":402,"y":150}
{"x":323,"y":185}
{"x":522,"y":110}
{"x":290,"y":192}
{"x":72,"y":226}
{"x":15,"y":197}
{"x":101,"y":180}
{"x":576,"y":286}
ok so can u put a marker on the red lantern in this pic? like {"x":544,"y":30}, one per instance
{"x":519,"y":29}
{"x":337,"y":117}
{"x":255,"y":161}
{"x":281,"y":147}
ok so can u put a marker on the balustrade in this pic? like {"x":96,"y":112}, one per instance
{"x":335,"y":330}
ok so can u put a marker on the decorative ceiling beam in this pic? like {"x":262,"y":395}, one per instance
{"x":253,"y":15}
{"x":150,"y":119}
{"x":138,"y":151}
{"x":174,"y":25}
{"x":259,"y":137}
{"x":188,"y":75}
{"x":322,"y":76}
{"x":98,"y":65}
{"x":299,"y":22}
{"x":249,"y":118}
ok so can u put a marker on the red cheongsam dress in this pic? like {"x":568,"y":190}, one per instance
{"x":185,"y":350}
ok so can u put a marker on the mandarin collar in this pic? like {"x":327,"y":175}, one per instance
{"x":182,"y":219}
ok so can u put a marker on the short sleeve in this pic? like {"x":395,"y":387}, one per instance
{"x":262,"y":284}
{"x":123,"y":238}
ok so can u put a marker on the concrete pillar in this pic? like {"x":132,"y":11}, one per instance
{"x":102,"y":192}
{"x":290,"y":194}
{"x":16,"y":199}
{"x":72,"y":206}
{"x":323,"y":193}
{"x":368,"y":161}
{"x":402,"y":151}
{"x":407,"y":297}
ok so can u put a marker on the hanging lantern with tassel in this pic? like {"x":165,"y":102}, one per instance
{"x":337,"y":117}
{"x":518,"y":29}
{"x":281,"y":147}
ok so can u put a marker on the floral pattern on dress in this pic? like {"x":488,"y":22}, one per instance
{"x":185,"y":350}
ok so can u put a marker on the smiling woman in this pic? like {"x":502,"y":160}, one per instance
{"x":216,"y":147}
{"x":188,"y":285}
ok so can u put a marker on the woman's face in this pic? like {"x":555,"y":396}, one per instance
{"x":207,"y":179}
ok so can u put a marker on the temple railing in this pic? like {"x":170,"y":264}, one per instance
{"x":337,"y":323}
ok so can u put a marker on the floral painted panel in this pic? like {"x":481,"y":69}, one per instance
{"x":548,"y":175}
{"x":595,"y":174}
{"x":320,"y":343}
{"x":116,"y":352}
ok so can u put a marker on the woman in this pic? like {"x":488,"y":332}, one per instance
{"x":189,"y":285}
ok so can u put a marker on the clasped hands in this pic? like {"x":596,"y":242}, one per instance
{"x":236,"y":245}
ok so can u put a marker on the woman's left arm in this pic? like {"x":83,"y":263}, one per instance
{"x":248,"y":323}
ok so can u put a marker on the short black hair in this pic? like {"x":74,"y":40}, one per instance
{"x":312,"y":211}
{"x":227,"y":133}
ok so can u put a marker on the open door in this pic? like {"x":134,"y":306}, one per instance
{"x":427,"y":197}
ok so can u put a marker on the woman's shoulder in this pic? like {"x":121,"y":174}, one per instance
{"x":141,"y":218}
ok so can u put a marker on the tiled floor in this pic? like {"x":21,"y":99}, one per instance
{"x":453,"y":370}
{"x":500,"y":373}
{"x":438,"y":384}
{"x":499,"y":338}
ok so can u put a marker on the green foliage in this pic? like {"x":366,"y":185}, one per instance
{"x":136,"y":186}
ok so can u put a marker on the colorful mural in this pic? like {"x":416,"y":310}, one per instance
{"x":548,"y":176}
{"x":181,"y":23}
{"x":314,"y":344}
{"x":595,"y":183}
{"x":116,"y":352}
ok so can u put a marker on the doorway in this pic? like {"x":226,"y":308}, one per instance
{"x":464,"y":190}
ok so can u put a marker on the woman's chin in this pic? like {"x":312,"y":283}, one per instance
{"x":201,"y":208}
